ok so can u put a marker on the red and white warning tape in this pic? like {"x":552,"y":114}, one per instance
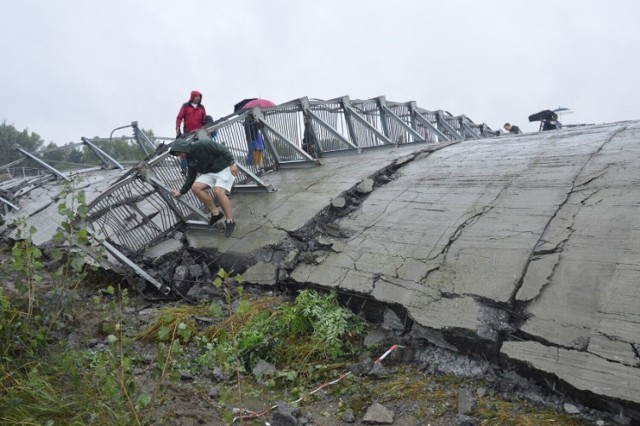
{"x":248,"y":414}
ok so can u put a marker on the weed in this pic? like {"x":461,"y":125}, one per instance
{"x":73,"y":243}
{"x":27,"y":262}
{"x":40,"y":381}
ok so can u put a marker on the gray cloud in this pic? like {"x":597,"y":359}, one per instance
{"x":74,"y":68}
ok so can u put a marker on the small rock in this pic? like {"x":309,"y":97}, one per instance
{"x":392,"y":321}
{"x":283,"y":416}
{"x":195,"y":271}
{"x":263,"y":367}
{"x":580,"y":343}
{"x":186,"y":376}
{"x":348,"y":417}
{"x":362,"y":368}
{"x":339,"y":202}
{"x":463,"y":420}
{"x":290,"y":261}
{"x":571,"y":409}
{"x":378,"y":414}
{"x":366,"y":186}
{"x":214,"y":393}
{"x":467,"y":403}
{"x":374,"y":337}
{"x":218,"y":375}
{"x":378,"y":371}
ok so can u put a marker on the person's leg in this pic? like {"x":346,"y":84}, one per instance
{"x":223,"y":186}
{"x":201,"y":191}
{"x":225,"y":202}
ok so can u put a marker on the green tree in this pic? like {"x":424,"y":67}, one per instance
{"x":75,"y":156}
{"x":53,"y":154}
{"x":10,"y":136}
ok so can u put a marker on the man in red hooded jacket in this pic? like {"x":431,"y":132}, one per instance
{"x":192,"y":113}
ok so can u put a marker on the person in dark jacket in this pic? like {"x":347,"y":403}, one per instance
{"x":192,"y":114}
{"x":512,"y":129}
{"x":551,"y":123}
{"x":309,"y":142}
{"x":216,"y":168}
{"x":251,"y":128}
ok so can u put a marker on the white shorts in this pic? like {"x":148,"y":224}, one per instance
{"x":223,"y":179}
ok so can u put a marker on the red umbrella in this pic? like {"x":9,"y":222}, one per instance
{"x":263,"y":103}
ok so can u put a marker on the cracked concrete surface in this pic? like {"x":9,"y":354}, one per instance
{"x":543,"y":227}
{"x":522,"y":249}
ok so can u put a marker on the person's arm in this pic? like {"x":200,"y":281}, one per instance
{"x":179,"y":119}
{"x":188,"y":182}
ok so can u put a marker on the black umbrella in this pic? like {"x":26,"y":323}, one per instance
{"x":547,"y":114}
{"x":237,"y":107}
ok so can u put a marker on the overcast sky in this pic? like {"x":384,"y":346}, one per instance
{"x":73,"y":68}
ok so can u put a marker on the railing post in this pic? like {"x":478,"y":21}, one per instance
{"x":443,"y":123}
{"x":42,"y":163}
{"x":143,"y":140}
{"x":346,"y":109}
{"x":382,"y":108}
{"x":392,"y":116}
{"x":354,"y":116}
{"x":103,"y":156}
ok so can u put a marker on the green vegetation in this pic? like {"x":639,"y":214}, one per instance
{"x":9,"y":137}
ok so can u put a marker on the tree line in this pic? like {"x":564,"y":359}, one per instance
{"x":68,"y":156}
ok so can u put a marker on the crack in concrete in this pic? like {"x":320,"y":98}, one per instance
{"x":458,"y":231}
{"x":581,"y":346}
{"x":635,"y":348}
{"x":556,"y":214}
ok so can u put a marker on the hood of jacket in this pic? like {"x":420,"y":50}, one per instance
{"x":194,"y":94}
{"x":179,"y":145}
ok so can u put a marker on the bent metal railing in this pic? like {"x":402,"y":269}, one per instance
{"x":139,"y":210}
{"x":335,"y":126}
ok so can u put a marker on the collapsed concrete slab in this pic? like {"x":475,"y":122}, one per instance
{"x":523,"y":249}
{"x":517,"y":247}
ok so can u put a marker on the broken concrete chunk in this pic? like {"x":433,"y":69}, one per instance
{"x":339,"y":202}
{"x":365,"y":187}
{"x":261,"y":273}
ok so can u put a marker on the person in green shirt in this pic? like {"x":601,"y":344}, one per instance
{"x":210,"y":165}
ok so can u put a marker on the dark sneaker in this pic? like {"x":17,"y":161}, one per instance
{"x":215,"y":218}
{"x":229,"y":228}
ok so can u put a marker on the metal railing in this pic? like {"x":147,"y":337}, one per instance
{"x":139,"y":210}
{"x":337,"y":125}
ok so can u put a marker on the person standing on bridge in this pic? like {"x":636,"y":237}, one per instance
{"x":191,"y":115}
{"x":217,"y":168}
